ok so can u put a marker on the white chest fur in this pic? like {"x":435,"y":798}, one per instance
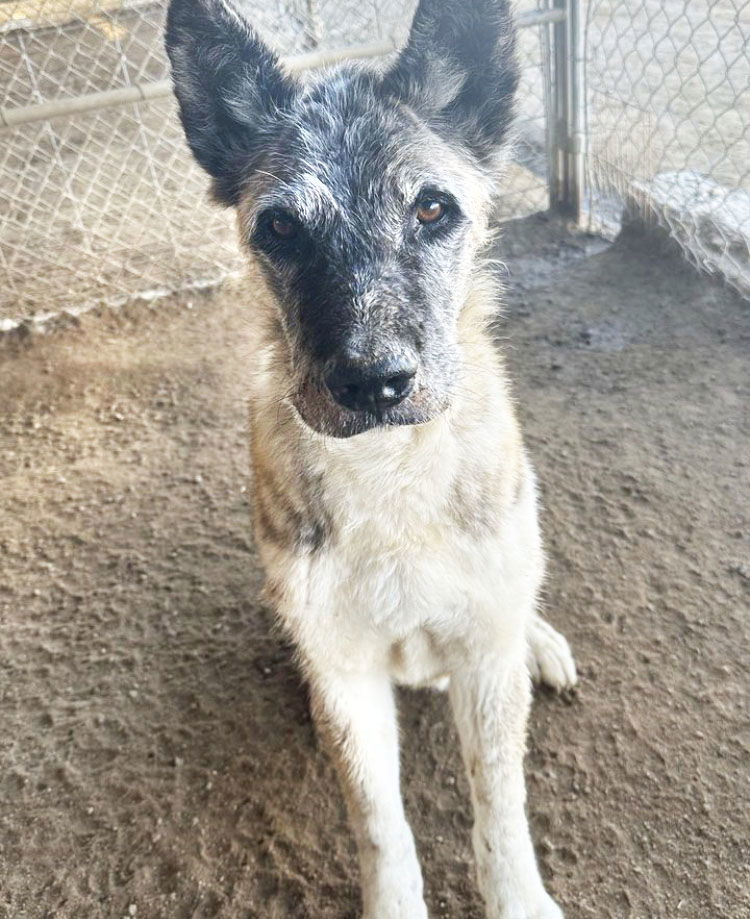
{"x":402,"y":585}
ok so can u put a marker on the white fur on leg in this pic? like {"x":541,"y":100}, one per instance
{"x":355,"y":712}
{"x":490,"y":700}
{"x":550,"y":660}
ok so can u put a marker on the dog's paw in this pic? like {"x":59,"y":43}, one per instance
{"x":550,"y":659}
{"x":402,"y":904}
{"x":416,"y":910}
{"x":547,"y":910}
{"x":392,"y":882}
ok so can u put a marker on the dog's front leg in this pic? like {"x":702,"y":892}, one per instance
{"x":490,"y":699}
{"x":356,"y":715}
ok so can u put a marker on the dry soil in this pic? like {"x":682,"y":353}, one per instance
{"x":156,"y":753}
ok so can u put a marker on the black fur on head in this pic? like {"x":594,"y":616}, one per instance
{"x":229,"y":86}
{"x":363,"y":196}
{"x":459,"y":70}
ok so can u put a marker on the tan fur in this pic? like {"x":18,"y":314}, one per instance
{"x":408,"y":555}
{"x":404,"y":549}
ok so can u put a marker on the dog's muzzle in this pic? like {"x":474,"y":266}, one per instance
{"x":356,"y":391}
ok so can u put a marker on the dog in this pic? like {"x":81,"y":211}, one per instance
{"x":395,"y":509}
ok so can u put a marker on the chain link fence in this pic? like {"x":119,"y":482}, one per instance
{"x":668,"y":123}
{"x":99,"y":199}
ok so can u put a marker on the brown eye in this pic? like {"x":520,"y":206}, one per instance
{"x":284,"y":227}
{"x":429,"y":211}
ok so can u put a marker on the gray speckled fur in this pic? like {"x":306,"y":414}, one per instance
{"x":348,"y":153}
{"x":411,"y":552}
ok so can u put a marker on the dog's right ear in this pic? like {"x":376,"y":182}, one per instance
{"x":229,"y":86}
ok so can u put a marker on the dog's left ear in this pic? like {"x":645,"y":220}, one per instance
{"x":459,"y":70}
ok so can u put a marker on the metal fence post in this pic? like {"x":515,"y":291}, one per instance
{"x":567,"y":141}
{"x":577,"y":135}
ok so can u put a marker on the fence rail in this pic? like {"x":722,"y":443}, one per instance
{"x":99,"y":200}
{"x":645,"y":103}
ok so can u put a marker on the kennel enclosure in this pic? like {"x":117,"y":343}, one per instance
{"x":644,"y":104}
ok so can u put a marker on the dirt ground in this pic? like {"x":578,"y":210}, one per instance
{"x":156,"y":753}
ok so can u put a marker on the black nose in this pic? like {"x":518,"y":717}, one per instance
{"x":371,"y":387}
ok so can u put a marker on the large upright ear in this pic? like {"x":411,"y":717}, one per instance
{"x":229,"y":85}
{"x":459,"y":70}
